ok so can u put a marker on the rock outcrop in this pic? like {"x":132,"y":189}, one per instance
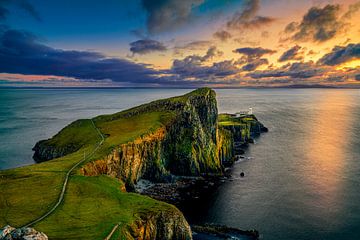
{"x":164,"y":225}
{"x":190,"y":145}
{"x":25,"y":233}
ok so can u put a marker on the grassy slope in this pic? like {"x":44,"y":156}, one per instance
{"x":228,"y":120}
{"x":92,"y":205}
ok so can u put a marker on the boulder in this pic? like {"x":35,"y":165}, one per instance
{"x":25,"y":233}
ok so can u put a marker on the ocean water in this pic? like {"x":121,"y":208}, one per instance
{"x":302,"y":180}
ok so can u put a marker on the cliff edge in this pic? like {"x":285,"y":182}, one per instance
{"x":182,"y":138}
{"x":179,"y":136}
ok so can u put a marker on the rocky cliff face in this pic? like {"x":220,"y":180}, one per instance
{"x":164,"y":225}
{"x":190,"y":145}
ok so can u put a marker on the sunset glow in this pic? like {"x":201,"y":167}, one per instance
{"x":181,"y":43}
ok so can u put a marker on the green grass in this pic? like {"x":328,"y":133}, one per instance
{"x":124,"y":130}
{"x":76,"y":135}
{"x":228,"y":120}
{"x":92,"y":205}
{"x":28,"y":192}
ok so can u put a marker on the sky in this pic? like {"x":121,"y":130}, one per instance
{"x":180,"y":43}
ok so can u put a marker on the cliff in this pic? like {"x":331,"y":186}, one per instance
{"x":176,"y":136}
{"x":185,"y":140}
{"x":163,"y":225}
{"x":182,"y":135}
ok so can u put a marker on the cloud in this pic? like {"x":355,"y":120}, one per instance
{"x":146,"y":46}
{"x":291,"y":27}
{"x":22,"y":4}
{"x":22,"y":52}
{"x":293,"y":53}
{"x":318,"y":24}
{"x":254,"y":52}
{"x":294,"y":70}
{"x":192,"y":46}
{"x":353,"y":8}
{"x":28,"y":8}
{"x":251,"y":58}
{"x":247,"y":18}
{"x":165,"y":15}
{"x":3,"y":13}
{"x":357,"y":77}
{"x":340,"y":55}
{"x":253,"y":65}
{"x":192,"y":66}
{"x":195,"y":45}
{"x":197,"y":59}
{"x":186,"y":70}
{"x":265,"y":34}
{"x":222,"y":35}
{"x":246,"y":41}
{"x":211,"y":53}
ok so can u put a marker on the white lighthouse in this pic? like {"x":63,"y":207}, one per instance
{"x":250,"y":111}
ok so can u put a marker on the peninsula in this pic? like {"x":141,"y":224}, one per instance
{"x":83,"y":186}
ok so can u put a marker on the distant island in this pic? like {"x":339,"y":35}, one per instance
{"x":86,"y":183}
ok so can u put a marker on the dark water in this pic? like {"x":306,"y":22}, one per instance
{"x":302,"y":182}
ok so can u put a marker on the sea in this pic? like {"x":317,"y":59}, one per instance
{"x":302,"y":178}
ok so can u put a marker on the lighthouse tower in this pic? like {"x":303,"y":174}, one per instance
{"x":250,"y":111}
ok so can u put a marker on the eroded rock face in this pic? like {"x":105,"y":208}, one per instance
{"x":10,"y":233}
{"x":169,"y":225}
{"x":191,"y":145}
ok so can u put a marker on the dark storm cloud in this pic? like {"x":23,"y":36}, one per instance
{"x":164,"y":15}
{"x":247,"y":18}
{"x":21,"y":52}
{"x":222,"y":35}
{"x":254,"y":52}
{"x":291,"y":54}
{"x":318,"y":24}
{"x":23,"y":4}
{"x":340,"y":55}
{"x":146,"y":46}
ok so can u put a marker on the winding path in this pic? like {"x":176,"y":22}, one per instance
{"x":112,"y":232}
{"x":66,"y":180}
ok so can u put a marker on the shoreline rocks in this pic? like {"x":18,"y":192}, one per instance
{"x":214,"y":232}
